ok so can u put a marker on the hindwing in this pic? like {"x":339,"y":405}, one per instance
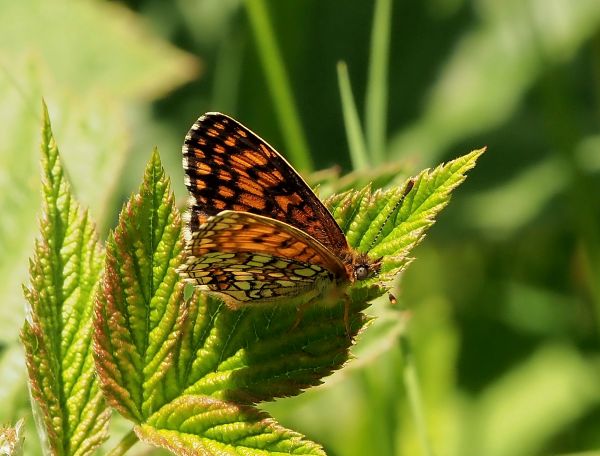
{"x":249,"y":257}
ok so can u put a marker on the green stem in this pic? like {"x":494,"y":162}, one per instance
{"x":413,"y":391}
{"x":227,"y":73}
{"x":125,"y":444}
{"x":377,"y":84}
{"x":279,"y":84}
{"x":354,"y":133}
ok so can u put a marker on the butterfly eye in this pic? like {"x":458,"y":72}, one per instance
{"x":361,"y":272}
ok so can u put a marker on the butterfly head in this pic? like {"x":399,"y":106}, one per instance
{"x":361,"y":266}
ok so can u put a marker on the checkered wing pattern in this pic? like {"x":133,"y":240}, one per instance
{"x":228,"y":167}
{"x":245,"y":257}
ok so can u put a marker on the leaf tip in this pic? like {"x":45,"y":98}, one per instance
{"x":476,"y":153}
{"x":45,"y":114}
{"x":154,"y":167}
{"x":155,"y":156}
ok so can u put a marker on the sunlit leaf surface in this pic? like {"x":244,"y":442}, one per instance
{"x":57,"y":334}
{"x":188,"y":372}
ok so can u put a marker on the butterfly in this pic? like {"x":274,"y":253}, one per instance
{"x":256,"y":231}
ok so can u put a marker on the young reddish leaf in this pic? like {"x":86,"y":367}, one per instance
{"x":138,"y":304}
{"x":64,"y":274}
{"x":11,"y":439}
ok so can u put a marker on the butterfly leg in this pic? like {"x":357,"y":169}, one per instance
{"x":301,"y":309}
{"x":300,"y":312}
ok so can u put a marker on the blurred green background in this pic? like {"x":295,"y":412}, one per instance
{"x":501,"y":306}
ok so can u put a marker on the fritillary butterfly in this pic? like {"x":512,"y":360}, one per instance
{"x":257,"y":232}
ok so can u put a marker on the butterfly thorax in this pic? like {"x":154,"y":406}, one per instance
{"x":359,"y":266}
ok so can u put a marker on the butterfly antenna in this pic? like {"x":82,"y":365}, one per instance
{"x":409,"y":185}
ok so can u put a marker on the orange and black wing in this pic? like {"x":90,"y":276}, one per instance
{"x":246,"y":257}
{"x":228,"y":167}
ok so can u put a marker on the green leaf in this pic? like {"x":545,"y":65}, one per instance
{"x":390,"y":223}
{"x":98,"y":92}
{"x":64,"y":275}
{"x":126,"y":43}
{"x":186,"y":372}
{"x":138,"y":303}
{"x":227,"y":429}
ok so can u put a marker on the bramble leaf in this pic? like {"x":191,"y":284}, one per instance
{"x":64,"y":275}
{"x":100,"y":92}
{"x":137,"y":305}
{"x":389,"y":223}
{"x":227,"y":428}
{"x":188,"y":372}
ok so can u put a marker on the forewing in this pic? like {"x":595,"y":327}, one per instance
{"x":228,"y":167}
{"x":249,"y":257}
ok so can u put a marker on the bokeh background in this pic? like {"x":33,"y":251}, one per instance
{"x":501,"y":308}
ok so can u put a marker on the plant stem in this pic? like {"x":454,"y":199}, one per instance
{"x":413,"y":391}
{"x":377,"y":84}
{"x":125,"y":444}
{"x":279,"y":84}
{"x":354,"y":133}
{"x":227,"y":73}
